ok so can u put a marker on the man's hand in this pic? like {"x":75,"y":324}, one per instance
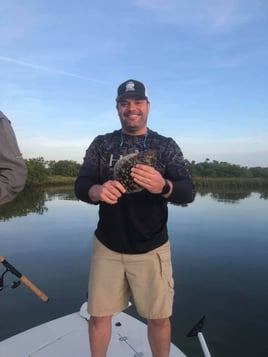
{"x":109,"y":192}
{"x":149,"y":178}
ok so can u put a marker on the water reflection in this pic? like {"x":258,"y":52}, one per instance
{"x":62,"y":192}
{"x":34,"y":201}
{"x":231,"y":195}
{"x":264,"y":195}
{"x":26,"y":202}
{"x":220,"y":264}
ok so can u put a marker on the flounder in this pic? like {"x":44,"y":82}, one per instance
{"x":122,"y":168}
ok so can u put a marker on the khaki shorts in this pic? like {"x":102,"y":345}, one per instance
{"x":115,"y":277}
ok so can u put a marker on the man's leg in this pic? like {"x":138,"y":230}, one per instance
{"x":159,"y":335}
{"x":151,"y":282}
{"x":99,"y":329}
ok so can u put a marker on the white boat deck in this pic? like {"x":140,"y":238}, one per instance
{"x":68,"y":337}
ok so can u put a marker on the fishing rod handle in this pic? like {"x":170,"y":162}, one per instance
{"x":34,"y":288}
{"x":24,"y":280}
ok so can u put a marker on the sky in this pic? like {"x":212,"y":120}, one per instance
{"x":204,"y":63}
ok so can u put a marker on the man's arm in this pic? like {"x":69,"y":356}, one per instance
{"x":179,"y":190}
{"x":183,"y":190}
{"x":88,"y":174}
{"x":90,"y":186}
{"x":13,"y":171}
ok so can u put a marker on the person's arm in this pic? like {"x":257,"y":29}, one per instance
{"x":182,"y":190}
{"x":90,"y":174}
{"x":175,"y":184}
{"x":90,"y":185}
{"x":13,"y":171}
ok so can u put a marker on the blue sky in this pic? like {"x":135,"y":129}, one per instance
{"x":204,"y":62}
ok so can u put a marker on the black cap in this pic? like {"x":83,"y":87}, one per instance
{"x":131,"y":87}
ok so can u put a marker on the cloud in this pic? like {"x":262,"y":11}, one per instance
{"x":249,"y":158}
{"x":43,"y":68}
{"x":235,"y":144}
{"x":52,"y":149}
{"x":153,"y":4}
{"x":229,"y":63}
{"x":208,"y":15}
{"x":247,"y":151}
{"x":15,"y":21}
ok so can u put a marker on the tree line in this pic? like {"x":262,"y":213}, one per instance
{"x":224,"y":169}
{"x":42,"y":172}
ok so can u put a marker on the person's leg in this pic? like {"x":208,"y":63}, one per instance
{"x":151,"y":282}
{"x":159,"y":336}
{"x":99,"y":329}
{"x":108,"y":293}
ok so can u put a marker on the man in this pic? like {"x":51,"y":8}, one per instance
{"x":131,"y":252}
{"x":13,"y":171}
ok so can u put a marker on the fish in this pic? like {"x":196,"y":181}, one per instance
{"x":122,"y":168}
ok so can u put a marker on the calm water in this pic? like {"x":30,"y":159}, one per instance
{"x":220,"y":257}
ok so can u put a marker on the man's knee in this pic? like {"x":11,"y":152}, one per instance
{"x":158,"y":323}
{"x":99,"y":322}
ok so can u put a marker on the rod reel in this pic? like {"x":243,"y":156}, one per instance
{"x":13,"y":285}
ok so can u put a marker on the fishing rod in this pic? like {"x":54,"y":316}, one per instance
{"x":197,"y":331}
{"x":22,"y":278}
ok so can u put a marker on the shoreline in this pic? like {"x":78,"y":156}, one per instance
{"x":199,"y":182}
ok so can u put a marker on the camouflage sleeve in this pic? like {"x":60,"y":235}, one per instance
{"x":13,"y":171}
{"x":89,"y":172}
{"x":177,"y":172}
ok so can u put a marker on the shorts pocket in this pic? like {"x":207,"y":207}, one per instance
{"x":165,"y":267}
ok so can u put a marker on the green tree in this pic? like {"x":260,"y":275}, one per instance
{"x":259,"y":171}
{"x":37,"y":172}
{"x":63,"y":168}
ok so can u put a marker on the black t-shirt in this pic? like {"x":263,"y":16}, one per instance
{"x":138,"y":222}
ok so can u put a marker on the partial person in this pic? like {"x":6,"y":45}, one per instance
{"x":13,"y":171}
{"x":131,"y":256}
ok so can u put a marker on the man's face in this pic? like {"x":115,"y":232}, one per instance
{"x":133,"y":114}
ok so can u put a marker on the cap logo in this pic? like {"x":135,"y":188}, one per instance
{"x":130,"y":86}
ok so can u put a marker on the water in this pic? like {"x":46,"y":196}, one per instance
{"x":220,"y":258}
